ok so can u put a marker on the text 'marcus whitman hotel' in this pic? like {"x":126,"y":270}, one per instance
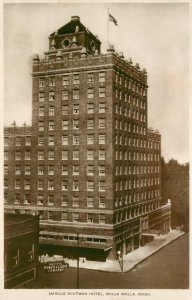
{"x":88,"y":164}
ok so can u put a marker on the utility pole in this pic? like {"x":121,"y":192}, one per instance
{"x":77,"y":260}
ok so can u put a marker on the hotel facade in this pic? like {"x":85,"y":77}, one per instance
{"x":89,"y":166}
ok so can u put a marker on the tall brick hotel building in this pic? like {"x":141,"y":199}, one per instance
{"x":89,"y":165}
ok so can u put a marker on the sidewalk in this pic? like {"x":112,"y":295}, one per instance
{"x":132,"y":259}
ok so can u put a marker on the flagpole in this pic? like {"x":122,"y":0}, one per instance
{"x":108,"y":28}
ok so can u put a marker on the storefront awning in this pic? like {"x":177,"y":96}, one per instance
{"x":151,"y":232}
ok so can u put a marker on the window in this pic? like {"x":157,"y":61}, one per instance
{"x":90,"y":108}
{"x":50,"y":170}
{"x":64,"y":216}
{"x":76,"y":94}
{"x":102,"y":218}
{"x":76,"y":154}
{"x":27,"y":170}
{"x":101,"y":138}
{"x":50,"y":185}
{"x":51,"y":81}
{"x":90,"y":170}
{"x":76,"y":170}
{"x":6,"y":141}
{"x":90,"y":77}
{"x":90,"y":93}
{"x":90,"y":124}
{"x":75,"y":124}
{"x":75,"y":109}
{"x":65,"y":140}
{"x":102,"y":202}
{"x":41,"y":125}
{"x":101,"y":107}
{"x":40,"y":154}
{"x":90,"y":218}
{"x":41,"y":82}
{"x":101,"y":123}
{"x":64,"y":170}
{"x":51,"y":96}
{"x":40,"y":184}
{"x":51,"y":110}
{"x":50,"y":215}
{"x":27,"y":155}
{"x":65,"y":124}
{"x":51,"y":125}
{"x":27,"y":140}
{"x":27,"y":184}
{"x":90,"y":139}
{"x":40,"y":170}
{"x":64,"y":154}
{"x":90,"y":154}
{"x":90,"y":201}
{"x":76,"y":79}
{"x":75,"y":139}
{"x":40,"y":199}
{"x":75,"y":217}
{"x":90,"y":186}
{"x":65,"y":80}
{"x":102,"y":186}
{"x":5,"y":170}
{"x":102,"y":92}
{"x":26,"y":199}
{"x":101,"y":170}
{"x":101,"y":76}
{"x":65,"y":110}
{"x":31,"y":253}
{"x":51,"y":154}
{"x":75,"y":185}
{"x":102,"y":154}
{"x":17,"y":199}
{"x":17,"y":183}
{"x":50,"y":200}
{"x":65,"y":95}
{"x":40,"y":140}
{"x":64,"y":185}
{"x":17,"y":170}
{"x":18,"y":141}
{"x":5,"y":183}
{"x":41,"y":97}
{"x":64,"y":200}
{"x":51,"y":140}
{"x":76,"y":201}
{"x":6,"y":155}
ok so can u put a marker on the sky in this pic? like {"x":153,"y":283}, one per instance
{"x":154,"y":35}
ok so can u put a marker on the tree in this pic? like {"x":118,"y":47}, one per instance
{"x":175,"y":185}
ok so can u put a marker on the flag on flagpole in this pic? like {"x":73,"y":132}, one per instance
{"x":112,"y":19}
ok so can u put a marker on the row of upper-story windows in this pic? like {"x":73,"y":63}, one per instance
{"x":74,"y":79}
{"x":130,"y":127}
{"x":121,"y":185}
{"x":130,"y":155}
{"x":135,"y":212}
{"x":18,"y":169}
{"x":125,"y":96}
{"x":91,"y":170}
{"x":130,"y":84}
{"x":127,"y":111}
{"x":75,"y":154}
{"x":153,"y":145}
{"x":65,"y":124}
{"x":73,"y":139}
{"x":50,"y":184}
{"x":135,"y":197}
{"x":65,"y":95}
{"x":135,"y":169}
{"x":18,"y":155}
{"x":18,"y":140}
{"x":129,"y":141}
{"x":65,"y":109}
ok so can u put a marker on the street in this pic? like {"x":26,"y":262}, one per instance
{"x":166,"y":269}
